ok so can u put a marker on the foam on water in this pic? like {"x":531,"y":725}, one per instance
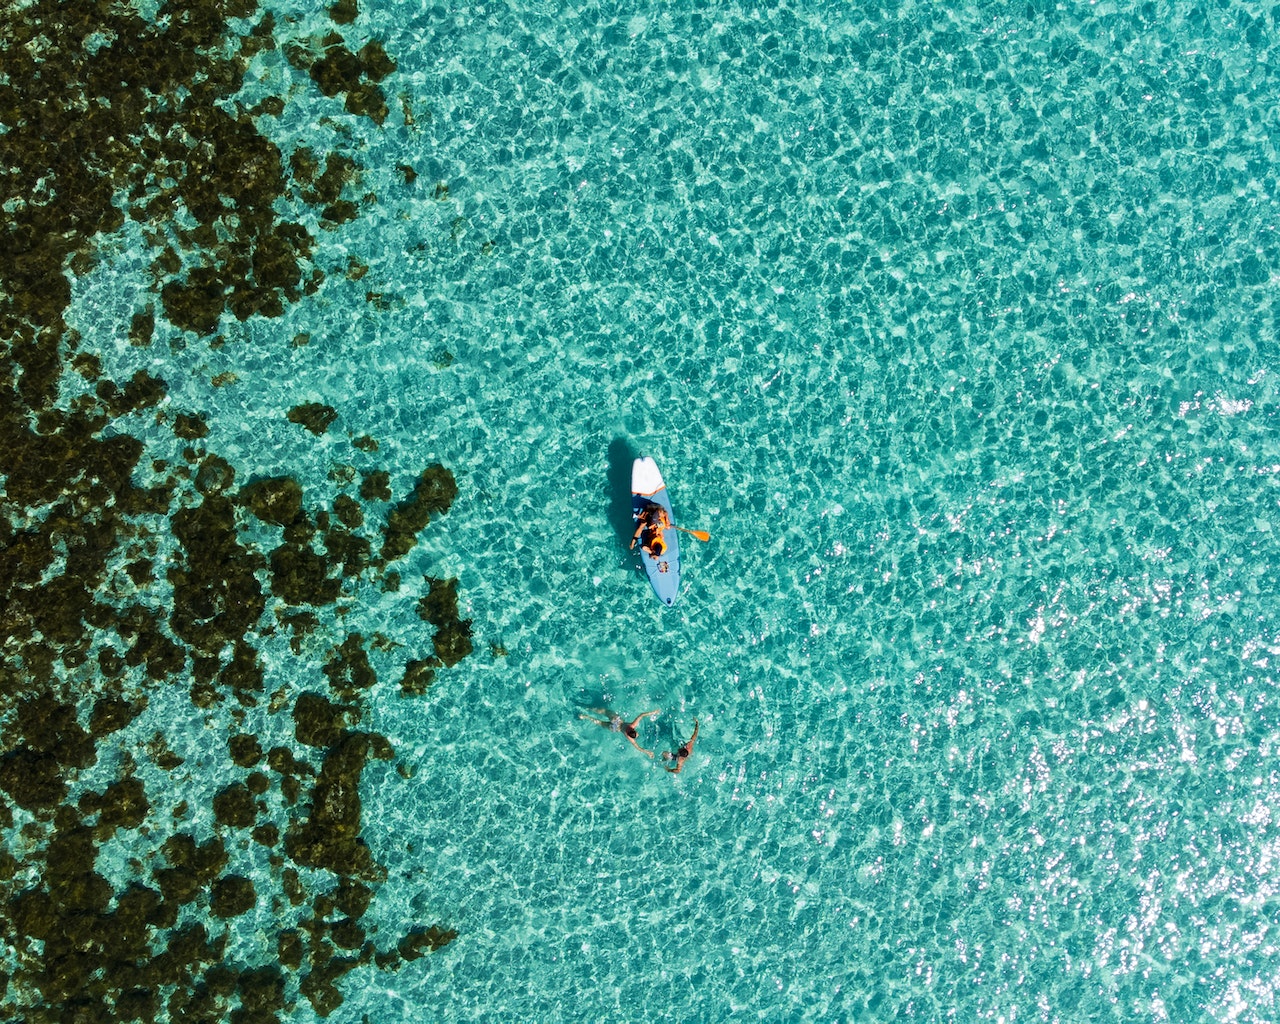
{"x":958,"y":333}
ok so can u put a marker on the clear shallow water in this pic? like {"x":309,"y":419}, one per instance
{"x":958,"y":333}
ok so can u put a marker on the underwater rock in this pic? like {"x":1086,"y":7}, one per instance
{"x":232,"y":896}
{"x":418,"y":675}
{"x":315,"y":416}
{"x":276,"y":499}
{"x":267,"y":835}
{"x":349,"y":670}
{"x":196,"y":304}
{"x":190,"y":428}
{"x":216,"y":595}
{"x":338,"y":213}
{"x":192,"y":866}
{"x":452,"y":640}
{"x":142,"y":392}
{"x":261,"y":991}
{"x":304,"y":167}
{"x":440,"y":605}
{"x":123,"y":804}
{"x":349,"y":550}
{"x":88,"y":365}
{"x":319,"y":984}
{"x":234,"y":805}
{"x":148,"y":644}
{"x":339,"y":171}
{"x":111,"y":714}
{"x":318,"y":721}
{"x":352,"y":897}
{"x":111,"y":664}
{"x":300,"y":624}
{"x":348,"y":511}
{"x":289,"y":881}
{"x":51,"y":727}
{"x":141,"y":571}
{"x":33,"y":780}
{"x":329,"y":838}
{"x":289,"y":949}
{"x":338,"y":70}
{"x":243,"y":673}
{"x":245,"y":750}
{"x":367,"y":99}
{"x":347,"y":934}
{"x":215,"y":475}
{"x":413,"y":945}
{"x":143,"y":629}
{"x":434,"y":493}
{"x":67,"y":471}
{"x":142,"y":327}
{"x":299,"y":575}
{"x":376,"y":485}
{"x":282,"y":760}
{"x":375,"y":62}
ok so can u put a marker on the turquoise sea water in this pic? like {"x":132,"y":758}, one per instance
{"x":957,"y":330}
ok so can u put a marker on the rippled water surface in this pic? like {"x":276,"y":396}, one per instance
{"x":957,"y":331}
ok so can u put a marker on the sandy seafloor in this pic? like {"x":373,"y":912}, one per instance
{"x":957,"y":330}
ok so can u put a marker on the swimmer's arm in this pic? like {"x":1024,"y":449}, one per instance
{"x":639,"y":719}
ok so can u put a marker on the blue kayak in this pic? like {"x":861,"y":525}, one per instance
{"x":648,"y":488}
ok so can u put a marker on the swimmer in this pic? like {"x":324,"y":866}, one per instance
{"x":683,"y":752}
{"x":614,"y":723}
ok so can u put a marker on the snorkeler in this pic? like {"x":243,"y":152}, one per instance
{"x":682,"y":752}
{"x":653,"y":522}
{"x":614,"y":723}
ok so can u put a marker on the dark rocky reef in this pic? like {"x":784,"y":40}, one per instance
{"x":315,"y":416}
{"x":111,"y":115}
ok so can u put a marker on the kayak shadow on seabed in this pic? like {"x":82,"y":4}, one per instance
{"x":621,"y":456}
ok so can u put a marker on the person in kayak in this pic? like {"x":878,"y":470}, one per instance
{"x":614,"y":723}
{"x":653,"y":522}
{"x":682,"y":752}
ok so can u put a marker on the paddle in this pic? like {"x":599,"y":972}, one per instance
{"x":700,"y":534}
